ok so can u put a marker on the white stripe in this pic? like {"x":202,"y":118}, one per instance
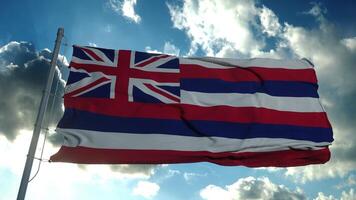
{"x":83,"y":82}
{"x":222,"y":63}
{"x":91,"y":62}
{"x":112,"y":87}
{"x":294,"y":104}
{"x":109,"y":140}
{"x":100,"y":54}
{"x":93,"y":88}
{"x":183,"y":61}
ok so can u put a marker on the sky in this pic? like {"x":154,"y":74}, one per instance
{"x":322,"y":31}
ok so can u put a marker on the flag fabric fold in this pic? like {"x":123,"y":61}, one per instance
{"x":130,"y":107}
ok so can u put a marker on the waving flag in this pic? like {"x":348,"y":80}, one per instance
{"x":127,"y":107}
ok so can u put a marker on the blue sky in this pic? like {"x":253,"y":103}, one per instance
{"x":322,"y":31}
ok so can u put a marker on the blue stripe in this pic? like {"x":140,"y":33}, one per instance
{"x":110,"y":53}
{"x":171,"y":89}
{"x":274,"y":88}
{"x":139,"y":96}
{"x":140,"y":56}
{"x":79,"y":53}
{"x":75,"y":119}
{"x":172,"y":64}
{"x":76,"y":76}
{"x":99,"y":92}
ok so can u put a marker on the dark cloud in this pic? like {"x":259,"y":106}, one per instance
{"x":133,"y":169}
{"x":23,"y":73}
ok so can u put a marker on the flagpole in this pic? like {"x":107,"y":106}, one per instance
{"x":39,"y":120}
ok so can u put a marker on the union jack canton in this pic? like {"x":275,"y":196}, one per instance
{"x":102,"y":73}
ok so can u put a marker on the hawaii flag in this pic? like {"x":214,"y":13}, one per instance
{"x":129,"y":107}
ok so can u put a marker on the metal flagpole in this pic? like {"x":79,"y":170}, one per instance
{"x":39,"y":120}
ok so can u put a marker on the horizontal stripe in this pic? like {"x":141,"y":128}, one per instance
{"x":75,"y":119}
{"x":211,"y":62}
{"x":273,"y":88}
{"x":85,"y":155}
{"x":109,"y":140}
{"x":192,"y":112}
{"x":248,"y":74}
{"x":255,"y":115}
{"x":259,"y":100}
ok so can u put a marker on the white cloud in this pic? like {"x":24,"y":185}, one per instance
{"x":350,"y":195}
{"x":92,"y":44}
{"x":170,"y":49}
{"x":129,"y":11}
{"x":188,"y":176}
{"x":251,"y":188}
{"x":350,"y":43}
{"x":232,"y":28}
{"x":146,"y":189}
{"x":269,"y":22}
{"x":322,"y":196}
{"x":325,"y":47}
{"x":55,"y":180}
{"x":150,"y":50}
{"x":126,"y":9}
{"x":213,"y":192}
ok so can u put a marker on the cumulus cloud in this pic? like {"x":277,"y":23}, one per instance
{"x":146,"y":189}
{"x":210,"y":33}
{"x":125,"y":8}
{"x":251,"y":27}
{"x":269,"y":22}
{"x":251,"y":188}
{"x":140,"y":170}
{"x":345,"y":195}
{"x":237,"y":29}
{"x":170,"y":49}
{"x":23,"y":73}
{"x":349,"y":43}
{"x":334,"y":62}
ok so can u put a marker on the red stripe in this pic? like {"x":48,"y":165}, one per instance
{"x":151,"y":60}
{"x":92,"y":54}
{"x":103,"y":79}
{"x":165,"y":94}
{"x":85,"y":155}
{"x":122,"y":81}
{"x":132,"y":73}
{"x":256,"y":115}
{"x":248,"y":74}
{"x":191,"y":112}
